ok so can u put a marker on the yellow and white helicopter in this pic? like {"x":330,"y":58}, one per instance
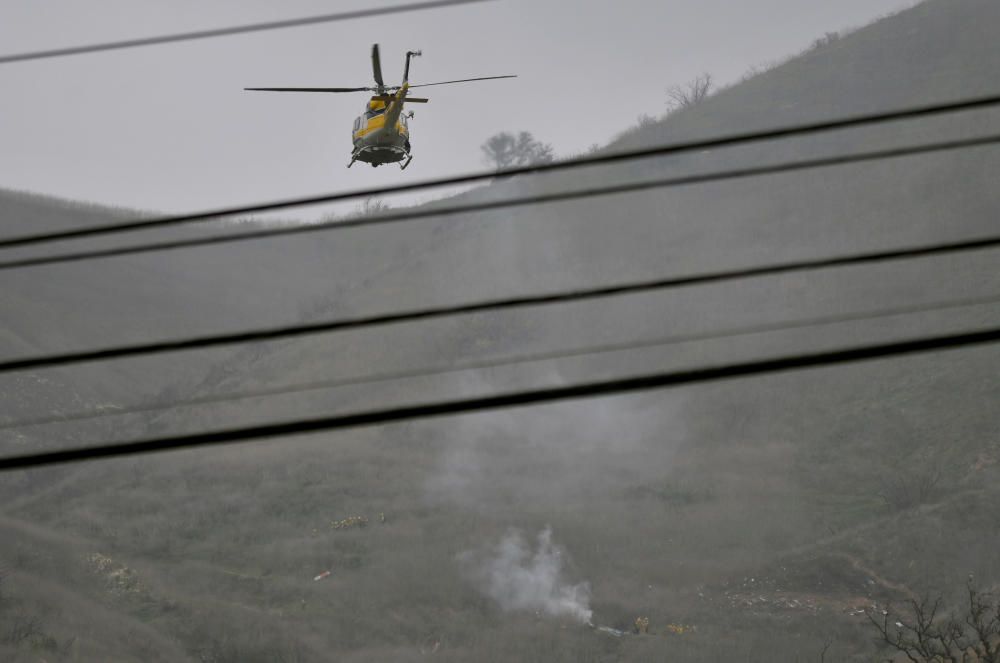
{"x":382,"y":134}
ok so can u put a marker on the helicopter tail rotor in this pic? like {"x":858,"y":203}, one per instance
{"x":406,"y":72}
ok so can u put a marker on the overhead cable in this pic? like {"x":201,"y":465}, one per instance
{"x":539,"y":199}
{"x":697,"y":145}
{"x":232,"y":30}
{"x":489,"y":306}
{"x":590,"y":351}
{"x":435,"y":409}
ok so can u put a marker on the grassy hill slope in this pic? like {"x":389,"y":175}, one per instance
{"x":766,"y":513}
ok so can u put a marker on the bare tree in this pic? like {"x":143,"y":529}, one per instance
{"x":19,"y":628}
{"x":373,"y":207}
{"x":826,"y":648}
{"x":928,"y":635}
{"x":913,"y":481}
{"x":826,"y":40}
{"x":691,"y":94}
{"x":645,"y":120}
{"x":505,"y":150}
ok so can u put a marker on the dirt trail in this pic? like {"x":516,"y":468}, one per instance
{"x":879,"y":580}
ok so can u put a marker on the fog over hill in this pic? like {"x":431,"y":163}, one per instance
{"x":748,"y":520}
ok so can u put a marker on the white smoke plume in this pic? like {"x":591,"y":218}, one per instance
{"x":519,"y":578}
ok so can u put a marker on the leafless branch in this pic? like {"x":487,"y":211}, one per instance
{"x":928,"y":635}
{"x":680,"y":97}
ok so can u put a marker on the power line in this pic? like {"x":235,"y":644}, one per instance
{"x":233,"y":30}
{"x":509,"y":400}
{"x":588,"y":161}
{"x":539,"y":199}
{"x":457,"y":367}
{"x":380,"y":319}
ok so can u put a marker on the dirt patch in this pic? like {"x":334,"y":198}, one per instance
{"x":836,"y":583}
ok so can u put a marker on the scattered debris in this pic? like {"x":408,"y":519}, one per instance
{"x":119,"y":578}
{"x":608,"y":630}
{"x":784,"y":601}
{"x":680,"y":629}
{"x":350,"y":522}
{"x":325,"y":574}
{"x":641,"y":627}
{"x":860,"y":609}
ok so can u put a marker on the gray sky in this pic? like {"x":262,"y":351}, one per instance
{"x":169,"y":128}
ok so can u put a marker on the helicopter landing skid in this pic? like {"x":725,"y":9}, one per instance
{"x":408,"y":160}
{"x":352,"y":162}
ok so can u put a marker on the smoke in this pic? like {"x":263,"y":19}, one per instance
{"x":522,"y":579}
{"x":535,"y":461}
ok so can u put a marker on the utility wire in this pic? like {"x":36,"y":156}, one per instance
{"x":233,"y":30}
{"x":436,"y":409}
{"x":380,"y":319}
{"x":498,"y":362}
{"x":539,"y":199}
{"x":595,"y":160}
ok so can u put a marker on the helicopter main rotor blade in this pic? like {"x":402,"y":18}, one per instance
{"x":389,"y":97}
{"x":465,"y":80}
{"x":308,"y":89}
{"x":377,"y":69}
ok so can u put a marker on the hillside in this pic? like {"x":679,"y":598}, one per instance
{"x":768,"y":514}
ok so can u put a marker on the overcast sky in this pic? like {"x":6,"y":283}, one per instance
{"x":169,"y":128}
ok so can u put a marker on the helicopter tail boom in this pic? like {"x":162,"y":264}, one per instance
{"x":395,"y":108}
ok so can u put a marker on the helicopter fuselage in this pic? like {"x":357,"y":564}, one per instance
{"x":382,"y":134}
{"x":378,"y":140}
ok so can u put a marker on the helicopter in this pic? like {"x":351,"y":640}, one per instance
{"x":382,"y":134}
